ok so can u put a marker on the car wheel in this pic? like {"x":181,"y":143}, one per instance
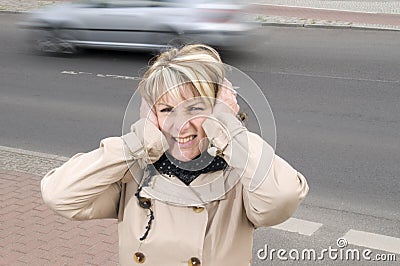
{"x":65,"y":42}
{"x":54,"y":41}
{"x":179,"y":41}
{"x":45,"y":41}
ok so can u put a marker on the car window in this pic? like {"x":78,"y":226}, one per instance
{"x":117,"y":3}
{"x":168,"y":3}
{"x":129,"y":3}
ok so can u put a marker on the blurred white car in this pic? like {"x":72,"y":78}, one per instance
{"x":129,"y":24}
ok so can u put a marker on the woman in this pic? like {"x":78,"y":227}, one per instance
{"x":181,"y":183}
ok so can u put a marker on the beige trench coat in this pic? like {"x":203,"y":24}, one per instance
{"x":209,"y":223}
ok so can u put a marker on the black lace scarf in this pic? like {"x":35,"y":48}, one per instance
{"x":189,"y":171}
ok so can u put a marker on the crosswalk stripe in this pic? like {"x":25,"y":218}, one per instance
{"x":302,"y":227}
{"x":373,"y":241}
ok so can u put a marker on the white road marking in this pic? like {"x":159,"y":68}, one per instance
{"x":373,"y":241}
{"x":302,"y":227}
{"x":68,"y":72}
{"x":336,"y":77}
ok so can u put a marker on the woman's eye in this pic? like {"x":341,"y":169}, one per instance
{"x":196,"y":108}
{"x":165,"y":110}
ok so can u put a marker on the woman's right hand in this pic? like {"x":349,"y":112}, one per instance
{"x":145,"y":143}
{"x":147,"y":112}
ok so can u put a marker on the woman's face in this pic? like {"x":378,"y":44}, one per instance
{"x":181,"y":120}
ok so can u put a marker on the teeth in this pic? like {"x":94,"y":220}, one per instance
{"x":184,"y":140}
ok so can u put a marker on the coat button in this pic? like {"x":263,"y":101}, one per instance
{"x":193,"y":261}
{"x":197,"y":209}
{"x":145,"y":203}
{"x":139,"y":257}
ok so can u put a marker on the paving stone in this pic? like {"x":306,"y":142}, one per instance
{"x":31,"y":234}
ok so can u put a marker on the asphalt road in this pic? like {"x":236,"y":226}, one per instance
{"x":334,"y":93}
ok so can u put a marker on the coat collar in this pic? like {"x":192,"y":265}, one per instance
{"x":205,"y":188}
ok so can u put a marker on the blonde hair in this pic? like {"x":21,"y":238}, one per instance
{"x":198,"y":65}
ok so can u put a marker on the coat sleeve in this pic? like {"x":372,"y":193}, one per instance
{"x":88,"y":186}
{"x":272,"y":189}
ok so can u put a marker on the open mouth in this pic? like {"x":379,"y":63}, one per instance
{"x":185,"y":140}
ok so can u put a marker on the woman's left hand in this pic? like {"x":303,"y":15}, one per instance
{"x":226,"y":99}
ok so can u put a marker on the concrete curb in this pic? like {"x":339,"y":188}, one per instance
{"x":12,"y":12}
{"x":30,"y":162}
{"x":34,"y":153}
{"x":322,"y":26}
{"x":284,"y":15}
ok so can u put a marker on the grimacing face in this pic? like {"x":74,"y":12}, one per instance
{"x":181,"y":119}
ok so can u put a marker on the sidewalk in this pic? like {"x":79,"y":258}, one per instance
{"x":338,"y":14}
{"x":31,"y":234}
{"x":367,"y":14}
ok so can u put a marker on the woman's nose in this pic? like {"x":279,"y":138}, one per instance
{"x":181,"y":122}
